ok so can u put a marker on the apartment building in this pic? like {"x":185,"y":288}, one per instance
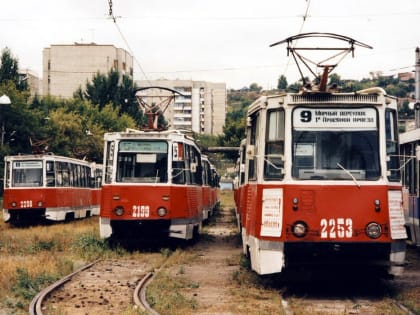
{"x":201,"y":108}
{"x":67,"y":67}
{"x":32,"y":80}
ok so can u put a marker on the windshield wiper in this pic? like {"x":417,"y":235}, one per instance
{"x":348,"y":173}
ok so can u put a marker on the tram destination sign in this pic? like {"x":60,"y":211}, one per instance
{"x":144,"y":146}
{"x":27,"y":164}
{"x":353,"y":118}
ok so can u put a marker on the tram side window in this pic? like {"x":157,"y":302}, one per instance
{"x":242,"y":165}
{"x":95,"y":177}
{"x":392,"y":146}
{"x":196,"y":168}
{"x":71,"y":175}
{"x":206,"y":169}
{"x":274,"y":147}
{"x":86,"y":176}
{"x":252,"y":158}
{"x":50,"y":172}
{"x":80,"y":175}
{"x":7,"y":172}
{"x":178,"y":163}
{"x":63,"y":176}
{"x":187,"y":159}
{"x":109,"y":161}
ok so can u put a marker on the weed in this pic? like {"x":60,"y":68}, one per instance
{"x":27,"y":286}
{"x":43,"y":245}
{"x":89,"y":245}
{"x":166,"y":252}
{"x":164,"y":295}
{"x":181,"y":270}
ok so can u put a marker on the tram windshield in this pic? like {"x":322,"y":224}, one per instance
{"x":334,"y":145}
{"x":142,"y":161}
{"x":27,"y":173}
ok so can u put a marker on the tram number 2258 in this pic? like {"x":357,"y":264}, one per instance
{"x":336,"y":228}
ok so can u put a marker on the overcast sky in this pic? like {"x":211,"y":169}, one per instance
{"x":215,"y":40}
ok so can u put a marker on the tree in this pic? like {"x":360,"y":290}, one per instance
{"x":109,"y":89}
{"x":282,"y":83}
{"x":9,"y":70}
{"x":255,"y":87}
{"x":335,"y":79}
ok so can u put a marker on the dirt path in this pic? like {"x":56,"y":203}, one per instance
{"x":218,"y":253}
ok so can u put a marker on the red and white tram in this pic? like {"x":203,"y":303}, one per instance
{"x":322,"y":183}
{"x":47,"y":186}
{"x":322,"y":177}
{"x":152,"y":185}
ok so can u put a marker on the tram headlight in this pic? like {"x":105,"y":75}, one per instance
{"x":14,"y":204}
{"x":119,"y":210}
{"x":162,"y":211}
{"x":373,"y":230}
{"x":295,"y":203}
{"x":39,"y":204}
{"x":300,"y":229}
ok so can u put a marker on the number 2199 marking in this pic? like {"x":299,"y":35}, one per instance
{"x":336,"y":228}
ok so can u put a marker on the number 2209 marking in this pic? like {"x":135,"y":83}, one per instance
{"x":336,"y":228}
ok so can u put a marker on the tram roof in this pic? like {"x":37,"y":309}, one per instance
{"x":372,"y":96}
{"x":50,"y":156}
{"x":410,"y":136}
{"x":176,"y":135}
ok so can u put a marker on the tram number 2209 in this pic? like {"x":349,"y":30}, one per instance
{"x":141,"y":211}
{"x":336,"y":228}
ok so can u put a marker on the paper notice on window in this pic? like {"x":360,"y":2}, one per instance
{"x":272,"y":212}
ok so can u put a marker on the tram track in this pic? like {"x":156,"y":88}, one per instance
{"x":103,"y":286}
{"x":350,"y":296}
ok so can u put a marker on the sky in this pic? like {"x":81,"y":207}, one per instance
{"x":217,"y":40}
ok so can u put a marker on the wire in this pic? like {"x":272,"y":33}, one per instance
{"x":114,"y":18}
{"x":305,"y":16}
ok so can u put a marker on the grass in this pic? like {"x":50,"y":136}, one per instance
{"x":165,"y":291}
{"x":31,"y":258}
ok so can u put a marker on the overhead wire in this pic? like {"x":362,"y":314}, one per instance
{"x":305,"y":16}
{"x":114,"y":18}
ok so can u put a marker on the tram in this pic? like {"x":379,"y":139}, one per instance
{"x":153,"y":178}
{"x":410,"y":157}
{"x":322,"y":183}
{"x":152,"y":185}
{"x":47,"y":186}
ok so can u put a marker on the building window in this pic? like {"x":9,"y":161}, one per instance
{"x":115,"y":64}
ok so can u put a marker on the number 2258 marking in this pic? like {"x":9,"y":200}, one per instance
{"x":336,"y":228}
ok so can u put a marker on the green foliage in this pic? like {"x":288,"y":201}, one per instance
{"x":282,"y":83}
{"x":89,"y":246}
{"x":255,"y":87}
{"x":9,"y":70}
{"x":27,"y":287}
{"x":109,"y":89}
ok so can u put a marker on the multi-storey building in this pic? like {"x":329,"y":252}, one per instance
{"x":68,"y":67}
{"x":32,"y":80}
{"x":202,"y":108}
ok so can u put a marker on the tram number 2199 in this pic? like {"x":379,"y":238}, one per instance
{"x":336,"y":228}
{"x":141,"y":211}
